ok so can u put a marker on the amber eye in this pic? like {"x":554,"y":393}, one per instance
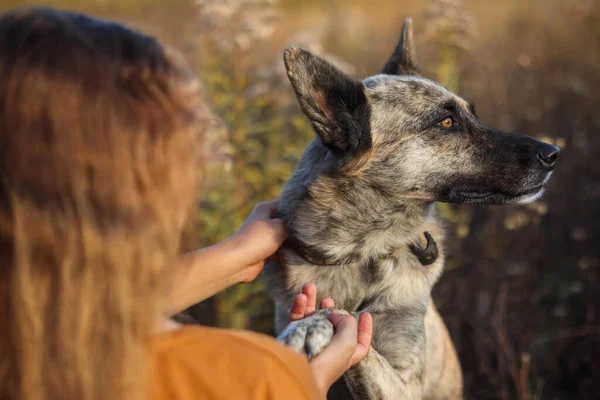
{"x":447,"y":122}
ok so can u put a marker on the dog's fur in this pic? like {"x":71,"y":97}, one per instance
{"x":361,"y":199}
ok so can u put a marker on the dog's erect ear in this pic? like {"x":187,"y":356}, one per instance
{"x":404,"y":59}
{"x":335,"y":103}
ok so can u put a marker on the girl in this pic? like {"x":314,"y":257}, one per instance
{"x":99,"y":135}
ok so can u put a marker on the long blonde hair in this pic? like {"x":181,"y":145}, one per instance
{"x":99,"y":135}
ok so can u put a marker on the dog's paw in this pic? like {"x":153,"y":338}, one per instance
{"x":308,"y":336}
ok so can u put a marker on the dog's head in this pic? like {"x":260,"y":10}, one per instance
{"x":412,"y":138}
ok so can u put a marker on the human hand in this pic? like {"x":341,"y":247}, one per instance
{"x":258,"y":238}
{"x":350,"y":344}
{"x":305,"y":303}
{"x":335,"y":352}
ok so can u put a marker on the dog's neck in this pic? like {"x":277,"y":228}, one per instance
{"x":426,"y":254}
{"x":337,"y":234}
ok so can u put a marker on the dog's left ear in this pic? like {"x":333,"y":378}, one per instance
{"x":404,"y":59}
{"x":335,"y":103}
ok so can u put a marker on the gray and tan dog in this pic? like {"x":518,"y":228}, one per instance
{"x":361,"y":212}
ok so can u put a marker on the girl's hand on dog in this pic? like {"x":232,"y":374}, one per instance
{"x":258,"y":239}
{"x":205,"y":272}
{"x":349,"y":344}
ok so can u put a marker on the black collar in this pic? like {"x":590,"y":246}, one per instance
{"x":426,"y":256}
{"x":307,"y":254}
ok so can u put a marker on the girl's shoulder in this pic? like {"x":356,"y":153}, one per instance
{"x":200,"y":362}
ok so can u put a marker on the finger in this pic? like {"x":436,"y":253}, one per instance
{"x":310,"y":291}
{"x":363,"y":339}
{"x":278,"y":256}
{"x":342,"y":321}
{"x":261,"y":211}
{"x":335,"y":359}
{"x":298,"y":308}
{"x":252,"y":271}
{"x":344,"y":339}
{"x":279,"y":230}
{"x":365,"y":329}
{"x":273,"y":207}
{"x":265,"y":210}
{"x":327,"y":302}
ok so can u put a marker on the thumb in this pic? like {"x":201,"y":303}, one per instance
{"x":278,"y":229}
{"x":346,"y":332}
{"x":364,"y":336}
{"x":336,"y":318}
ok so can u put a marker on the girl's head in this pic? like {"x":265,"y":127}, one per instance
{"x":100,"y":128}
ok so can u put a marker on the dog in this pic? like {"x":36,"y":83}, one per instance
{"x":362,"y":219}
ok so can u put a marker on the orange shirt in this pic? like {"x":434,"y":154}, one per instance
{"x":196,"y":362}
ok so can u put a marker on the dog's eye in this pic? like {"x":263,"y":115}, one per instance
{"x":447,"y":122}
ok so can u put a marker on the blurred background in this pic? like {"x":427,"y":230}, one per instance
{"x":520,"y":294}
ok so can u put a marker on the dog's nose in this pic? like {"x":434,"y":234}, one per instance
{"x":548,"y":155}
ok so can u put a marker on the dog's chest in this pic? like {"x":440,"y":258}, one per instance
{"x":367,"y":284}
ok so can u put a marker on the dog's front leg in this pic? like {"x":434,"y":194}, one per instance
{"x":394,"y":367}
{"x":374,"y":378}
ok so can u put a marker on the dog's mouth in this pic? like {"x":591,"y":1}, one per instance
{"x":494,"y":197}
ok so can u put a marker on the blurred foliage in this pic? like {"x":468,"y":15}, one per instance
{"x":263,"y":138}
{"x":520,"y":295}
